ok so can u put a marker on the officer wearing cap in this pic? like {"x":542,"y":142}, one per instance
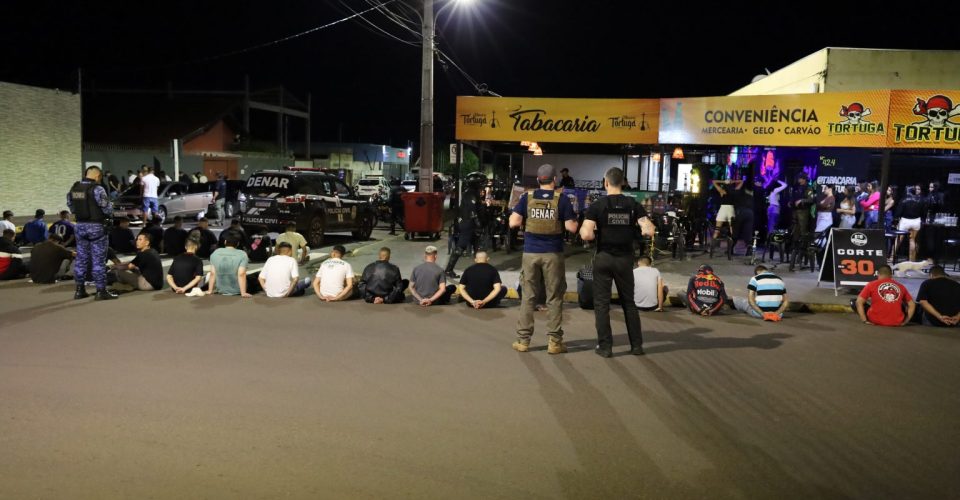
{"x":612,"y":220}
{"x":89,"y":201}
{"x":546,"y":214}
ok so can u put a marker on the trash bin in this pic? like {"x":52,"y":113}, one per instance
{"x":422,"y":215}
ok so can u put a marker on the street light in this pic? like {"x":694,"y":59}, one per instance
{"x":426,"y":93}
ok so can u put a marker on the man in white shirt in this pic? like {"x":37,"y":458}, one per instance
{"x":334,"y":280}
{"x":297,"y":242}
{"x":151,"y":184}
{"x":7,"y":222}
{"x":280,"y":275}
{"x":649,"y":292}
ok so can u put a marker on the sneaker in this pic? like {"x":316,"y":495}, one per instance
{"x":603,"y":353}
{"x":105,"y":295}
{"x":521,"y":346}
{"x":451,"y":274}
{"x":556,"y":347}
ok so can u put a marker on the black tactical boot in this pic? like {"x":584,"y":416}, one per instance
{"x":81,"y":293}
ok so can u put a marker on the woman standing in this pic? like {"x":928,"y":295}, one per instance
{"x":825,"y":206}
{"x":871,"y":206}
{"x":848,"y":209}
{"x":773,"y":210}
{"x":888,"y":205}
{"x":910,"y":212}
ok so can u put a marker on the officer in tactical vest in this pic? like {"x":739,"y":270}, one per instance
{"x":89,"y":201}
{"x":467,"y":217}
{"x":612,"y":221}
{"x":547,"y":214}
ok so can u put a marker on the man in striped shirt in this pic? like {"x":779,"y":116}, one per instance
{"x":766,"y":297}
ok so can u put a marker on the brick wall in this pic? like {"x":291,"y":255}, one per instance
{"x":39,"y":147}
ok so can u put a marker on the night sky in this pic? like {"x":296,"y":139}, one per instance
{"x":368,"y":85}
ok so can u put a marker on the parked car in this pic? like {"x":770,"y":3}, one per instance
{"x":316,"y":201}
{"x":174,"y":199}
{"x":372,"y":186}
{"x":409,"y":185}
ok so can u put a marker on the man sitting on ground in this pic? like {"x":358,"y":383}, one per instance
{"x":50,"y":261}
{"x":7,"y":222}
{"x":649,"y":292}
{"x":154,"y":231}
{"x":883,"y":300}
{"x":175,"y":238}
{"x":206,"y":240}
{"x":381,"y":282}
{"x":186,"y":272}
{"x":428,"y":283}
{"x":121,"y":237}
{"x":11,"y":260}
{"x":766,"y":296}
{"x":260,"y":249}
{"x":706,"y":294}
{"x":228,"y":274}
{"x":35,"y":231}
{"x":236,"y":230}
{"x":301,"y":251}
{"x":280,"y":276}
{"x":480,"y":285}
{"x":65,"y":229}
{"x":145,"y":271}
{"x":939,"y":297}
{"x":334,"y":280}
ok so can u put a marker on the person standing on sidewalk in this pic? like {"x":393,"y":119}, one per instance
{"x":220,"y":196}
{"x":89,"y":201}
{"x":151,"y":186}
{"x":546,"y":213}
{"x":612,"y":221}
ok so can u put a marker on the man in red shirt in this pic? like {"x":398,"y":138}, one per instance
{"x":882,"y":301}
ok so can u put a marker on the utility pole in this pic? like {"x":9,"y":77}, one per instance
{"x":426,"y":101}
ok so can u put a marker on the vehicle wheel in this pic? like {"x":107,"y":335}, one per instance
{"x":366,"y":228}
{"x":317,"y":231}
{"x":162,"y":213}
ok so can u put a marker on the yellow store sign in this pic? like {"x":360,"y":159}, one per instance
{"x":924,"y":119}
{"x":610,"y":121}
{"x":856,"y":119}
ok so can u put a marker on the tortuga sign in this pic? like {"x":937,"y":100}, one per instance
{"x":611,"y":121}
{"x":857,"y":119}
{"x":924,"y":119}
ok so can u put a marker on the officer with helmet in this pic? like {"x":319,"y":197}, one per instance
{"x":612,"y":221}
{"x":467,"y":216}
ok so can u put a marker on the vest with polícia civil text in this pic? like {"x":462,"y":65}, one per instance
{"x":617,"y":228}
{"x":543,"y":215}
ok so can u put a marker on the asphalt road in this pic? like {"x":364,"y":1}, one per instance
{"x":162,"y":396}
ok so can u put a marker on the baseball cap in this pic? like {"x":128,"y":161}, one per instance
{"x":546,"y":172}
{"x":431,"y":250}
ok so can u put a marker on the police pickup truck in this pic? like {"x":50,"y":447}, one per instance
{"x":317,"y":202}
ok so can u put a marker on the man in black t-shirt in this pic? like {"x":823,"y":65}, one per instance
{"x":186,"y":272}
{"x":260,"y":244}
{"x":236,"y":230}
{"x":939,"y":297}
{"x":50,"y":261}
{"x":175,"y":238}
{"x":154,"y":230}
{"x":145,"y":272}
{"x":480,"y":285}
{"x":206,"y":240}
{"x":613,"y":221}
{"x":121,"y":237}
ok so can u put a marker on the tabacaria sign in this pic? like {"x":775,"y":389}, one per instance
{"x":611,"y":121}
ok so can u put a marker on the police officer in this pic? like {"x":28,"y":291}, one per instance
{"x":395,"y":202}
{"x":89,"y":201}
{"x":612,"y":221}
{"x":467,"y":219}
{"x":547,"y":214}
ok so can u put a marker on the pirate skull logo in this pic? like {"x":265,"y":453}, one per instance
{"x":889,"y":292}
{"x":854,"y":114}
{"x":937,"y":112}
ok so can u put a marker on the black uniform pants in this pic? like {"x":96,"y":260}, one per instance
{"x":607,"y":270}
